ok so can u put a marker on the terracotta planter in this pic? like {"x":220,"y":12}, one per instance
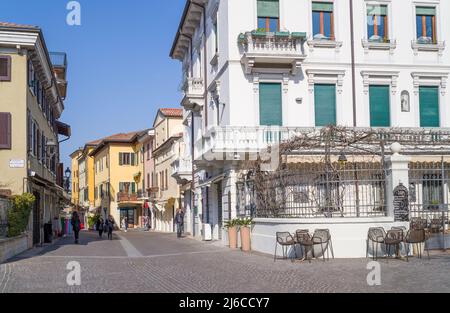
{"x":232,"y":237}
{"x":245,"y":239}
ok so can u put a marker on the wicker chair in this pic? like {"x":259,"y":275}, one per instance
{"x":418,"y":223}
{"x":417,"y":237}
{"x":305,"y":241}
{"x":394,"y":238}
{"x":322,"y":237}
{"x":376,"y":235}
{"x":285,"y":240}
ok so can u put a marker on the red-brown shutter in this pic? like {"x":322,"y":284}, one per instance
{"x":5,"y":130}
{"x":5,"y":68}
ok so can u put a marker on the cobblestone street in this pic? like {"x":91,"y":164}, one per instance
{"x":152,"y":262}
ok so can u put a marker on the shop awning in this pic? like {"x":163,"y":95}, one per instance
{"x":63,"y":129}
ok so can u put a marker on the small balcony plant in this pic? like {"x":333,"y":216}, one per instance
{"x":245,"y":225}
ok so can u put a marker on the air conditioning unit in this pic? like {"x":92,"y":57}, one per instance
{"x":206,"y":232}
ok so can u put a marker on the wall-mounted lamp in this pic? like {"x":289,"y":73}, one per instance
{"x":299,"y":100}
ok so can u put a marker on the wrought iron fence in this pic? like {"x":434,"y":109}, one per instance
{"x":246,"y":198}
{"x":332,"y":190}
{"x":429,"y":191}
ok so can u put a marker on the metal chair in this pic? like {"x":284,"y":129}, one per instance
{"x":376,"y":235}
{"x":417,"y":237}
{"x":304,"y":239}
{"x":418,"y":223}
{"x":285,"y":240}
{"x":322,"y":237}
{"x":394,"y":238}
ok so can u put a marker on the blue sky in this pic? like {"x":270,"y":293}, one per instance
{"x":119,"y":66}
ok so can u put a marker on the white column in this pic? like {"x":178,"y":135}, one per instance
{"x":398,"y":173}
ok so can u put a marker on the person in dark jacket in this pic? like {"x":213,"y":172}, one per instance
{"x":76,"y":226}
{"x":179,"y":221}
{"x":100,"y":227}
{"x":111,"y":224}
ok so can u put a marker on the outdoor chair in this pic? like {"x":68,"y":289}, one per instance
{"x":394,"y":238}
{"x":322,"y":237}
{"x":417,"y":237}
{"x":436,"y":225}
{"x":418,"y":223}
{"x":285,"y":240}
{"x":305,"y":241}
{"x":376,"y":235}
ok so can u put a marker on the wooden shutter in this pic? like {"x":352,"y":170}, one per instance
{"x":120,"y":159}
{"x":325,"y":104}
{"x":133,"y":188}
{"x":429,"y":107}
{"x":5,"y":68}
{"x":5,"y":130}
{"x":379,"y":106}
{"x":268,"y":8}
{"x":270,"y":104}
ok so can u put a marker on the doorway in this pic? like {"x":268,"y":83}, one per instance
{"x":129,"y":214}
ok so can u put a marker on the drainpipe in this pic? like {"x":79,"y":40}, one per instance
{"x":352,"y":35}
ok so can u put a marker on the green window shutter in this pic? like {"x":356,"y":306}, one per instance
{"x":325,"y":104}
{"x":121,"y":187}
{"x":380,"y":115}
{"x":270,"y":107}
{"x":120,"y":159}
{"x":426,"y":11}
{"x":133,"y":187}
{"x":268,"y":8}
{"x":377,"y":10}
{"x":322,"y":6}
{"x":429,"y":107}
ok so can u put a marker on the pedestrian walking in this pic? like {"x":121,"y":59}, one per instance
{"x":100,"y":227}
{"x":111,"y":224}
{"x":179,"y":220}
{"x":76,"y":226}
{"x":125,"y":224}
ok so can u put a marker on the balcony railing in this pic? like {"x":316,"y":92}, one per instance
{"x":193,"y":89}
{"x":127,"y":197}
{"x":278,"y":49}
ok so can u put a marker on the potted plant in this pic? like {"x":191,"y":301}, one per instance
{"x":245,"y":228}
{"x":232,"y":227}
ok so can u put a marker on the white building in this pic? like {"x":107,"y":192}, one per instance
{"x":259,"y":71}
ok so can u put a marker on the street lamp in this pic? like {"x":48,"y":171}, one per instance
{"x":343,"y":159}
{"x":67,"y":175}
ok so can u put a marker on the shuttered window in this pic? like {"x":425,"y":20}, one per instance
{"x":5,"y":68}
{"x":5,"y":130}
{"x":379,"y":106}
{"x":325,"y":104}
{"x":270,"y":104}
{"x":429,"y":106}
{"x":323,"y":20}
{"x":269,"y":15}
{"x":426,"y":25}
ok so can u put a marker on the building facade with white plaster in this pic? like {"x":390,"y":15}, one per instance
{"x":258,"y":72}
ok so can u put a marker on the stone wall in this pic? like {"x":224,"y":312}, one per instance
{"x":10,"y":247}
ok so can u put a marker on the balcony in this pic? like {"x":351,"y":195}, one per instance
{"x":272,"y":52}
{"x":59,"y":62}
{"x":182,"y":170}
{"x":126,"y":198}
{"x":425,"y":44}
{"x":193,"y":93}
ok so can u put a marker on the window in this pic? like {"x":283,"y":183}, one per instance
{"x":377,"y":23}
{"x":432,"y":191}
{"x":325,"y":104}
{"x":127,"y":159}
{"x":43,"y":144}
{"x":426,"y":25}
{"x":131,"y":187}
{"x":323,"y":20}
{"x":148,"y":181}
{"x":268,"y":15}
{"x":216,"y":37}
{"x":167,"y":181}
{"x":5,"y":68}
{"x":429,"y":106}
{"x":5,"y":131}
{"x":148,"y":152}
{"x":379,"y":106}
{"x":270,"y":108}
{"x":30,"y":74}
